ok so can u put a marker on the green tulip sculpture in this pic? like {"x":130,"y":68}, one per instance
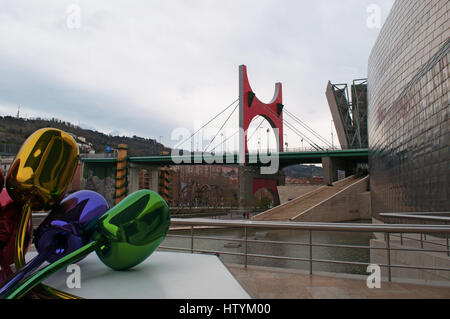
{"x":125,"y":236}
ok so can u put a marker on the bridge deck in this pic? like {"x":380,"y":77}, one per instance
{"x":285,"y":158}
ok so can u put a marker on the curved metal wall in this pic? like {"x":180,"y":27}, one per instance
{"x":408,"y":96}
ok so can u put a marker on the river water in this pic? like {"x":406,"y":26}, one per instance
{"x":322,"y":237}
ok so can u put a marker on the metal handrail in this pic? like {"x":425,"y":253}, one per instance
{"x":420,"y":216}
{"x":423,"y":216}
{"x":278,"y":242}
{"x":421,"y":240}
{"x":416,"y":213}
{"x":387,"y":229}
{"x":216,"y":252}
{"x":356,"y":227}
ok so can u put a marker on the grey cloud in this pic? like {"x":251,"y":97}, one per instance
{"x":24,"y":87}
{"x":145,"y":67}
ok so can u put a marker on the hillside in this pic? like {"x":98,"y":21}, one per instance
{"x":14,"y":131}
{"x":306,"y":171}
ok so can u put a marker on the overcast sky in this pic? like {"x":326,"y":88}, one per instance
{"x":146,"y":67}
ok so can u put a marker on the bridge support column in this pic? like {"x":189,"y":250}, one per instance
{"x":154,"y":179}
{"x":121,"y":173}
{"x":135,"y":174}
{"x":332,"y":165}
{"x":251,"y":180}
{"x":329,"y":170}
{"x":133,"y":178}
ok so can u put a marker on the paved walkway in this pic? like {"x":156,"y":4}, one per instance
{"x":275,"y":283}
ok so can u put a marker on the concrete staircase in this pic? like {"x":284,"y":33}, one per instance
{"x":294,"y":208}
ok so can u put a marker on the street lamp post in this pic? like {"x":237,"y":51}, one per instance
{"x":332,"y":145}
{"x":259,"y":138}
{"x":285,"y":141}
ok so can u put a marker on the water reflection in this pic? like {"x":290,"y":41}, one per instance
{"x":322,"y":237}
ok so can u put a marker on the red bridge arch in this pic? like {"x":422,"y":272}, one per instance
{"x":250,"y":107}
{"x":270,"y":185}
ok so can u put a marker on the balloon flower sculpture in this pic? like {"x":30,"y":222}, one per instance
{"x":66,"y":228}
{"x":122,"y":236}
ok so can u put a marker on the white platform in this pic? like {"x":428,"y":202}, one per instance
{"x":164,"y":275}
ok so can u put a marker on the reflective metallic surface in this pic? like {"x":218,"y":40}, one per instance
{"x":40,"y":175}
{"x":70,"y":224}
{"x":47,"y":292}
{"x":68,"y":227}
{"x":2,"y":180}
{"x":43,"y":273}
{"x":126,"y":235}
{"x":9,"y":223}
{"x":43,"y":169}
{"x":133,"y":228}
{"x":408,"y":76}
{"x":19,"y":243}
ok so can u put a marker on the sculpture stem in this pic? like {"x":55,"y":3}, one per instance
{"x":43,"y":291}
{"x":46,"y":292}
{"x":52,"y":268}
{"x":19,"y":255}
{"x":21,"y":274}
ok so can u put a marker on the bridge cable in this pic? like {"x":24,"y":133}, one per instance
{"x":288,"y":125}
{"x":304,"y":137}
{"x":317,"y":135}
{"x":297,"y":131}
{"x":248,"y":140}
{"x":310,"y":142}
{"x":225,"y":140}
{"x":292,"y":127}
{"x":305,"y":125}
{"x":221,"y":112}
{"x":221,"y":127}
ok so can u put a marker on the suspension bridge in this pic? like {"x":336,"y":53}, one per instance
{"x":252,"y":175}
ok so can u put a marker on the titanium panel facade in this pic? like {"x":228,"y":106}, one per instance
{"x":408,"y":98}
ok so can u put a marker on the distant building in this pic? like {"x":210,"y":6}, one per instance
{"x":5,"y":164}
{"x":83,"y":146}
{"x":318,"y":179}
{"x":205,"y":183}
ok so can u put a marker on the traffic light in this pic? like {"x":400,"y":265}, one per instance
{"x":164,"y":180}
